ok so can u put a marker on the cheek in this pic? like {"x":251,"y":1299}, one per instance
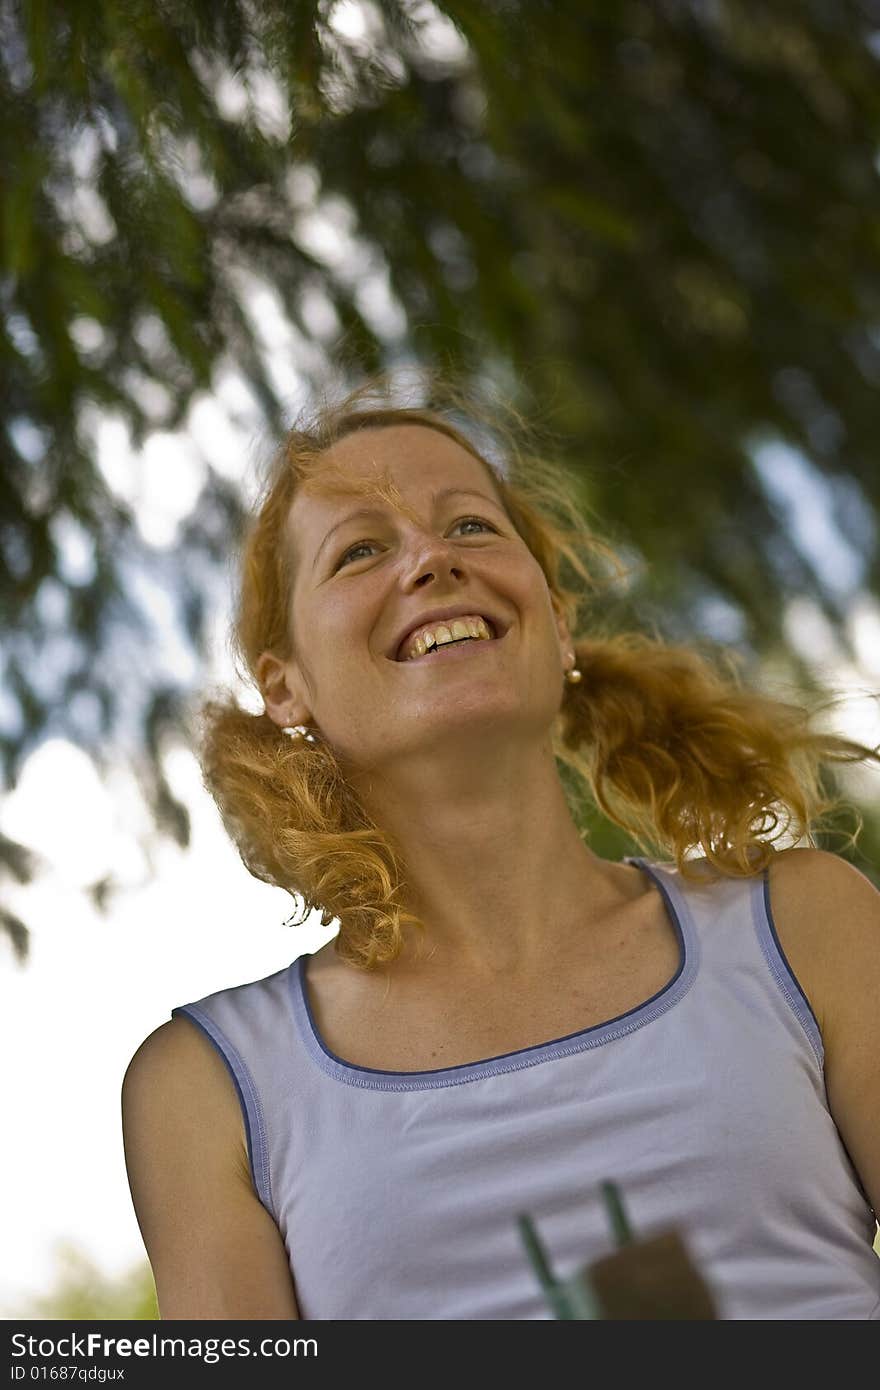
{"x":344,"y":613}
{"x":341,"y":628}
{"x":536,"y":592}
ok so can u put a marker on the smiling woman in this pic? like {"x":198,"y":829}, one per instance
{"x":422,"y":625}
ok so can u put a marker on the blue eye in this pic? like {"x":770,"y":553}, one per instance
{"x":361,"y":545}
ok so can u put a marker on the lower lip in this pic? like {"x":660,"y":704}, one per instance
{"x":454,"y":651}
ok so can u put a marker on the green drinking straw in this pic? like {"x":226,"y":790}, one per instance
{"x":570,"y":1300}
{"x":535,"y":1251}
{"x":623,"y":1233}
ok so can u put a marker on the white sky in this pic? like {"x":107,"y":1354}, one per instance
{"x":94,"y":985}
{"x":92,"y":991}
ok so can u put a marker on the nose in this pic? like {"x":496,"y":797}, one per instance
{"x":432,"y":558}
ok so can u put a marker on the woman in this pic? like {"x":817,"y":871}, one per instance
{"x":505,"y":1019}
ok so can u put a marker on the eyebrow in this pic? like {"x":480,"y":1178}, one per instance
{"x":378,"y":511}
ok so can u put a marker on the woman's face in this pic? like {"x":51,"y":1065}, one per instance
{"x":361,"y":582}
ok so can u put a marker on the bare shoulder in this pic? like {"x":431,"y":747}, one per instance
{"x":179,"y":1055}
{"x":826,"y":913}
{"x":179,"y":1049}
{"x":176,"y":1075}
{"x":165,"y":1048}
{"x":827,"y":904}
{"x":214,"y":1248}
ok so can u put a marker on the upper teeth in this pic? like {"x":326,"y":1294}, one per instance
{"x":428,"y":637}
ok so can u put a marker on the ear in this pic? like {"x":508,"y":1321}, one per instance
{"x":280,"y":688}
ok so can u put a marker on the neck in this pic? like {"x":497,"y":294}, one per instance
{"x":495,"y":866}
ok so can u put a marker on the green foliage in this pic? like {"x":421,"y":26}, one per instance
{"x":658,"y":226}
{"x":83,"y":1293}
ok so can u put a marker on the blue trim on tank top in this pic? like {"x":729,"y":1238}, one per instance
{"x":780,"y":967}
{"x":373,"y":1078}
{"x":248,"y":1099}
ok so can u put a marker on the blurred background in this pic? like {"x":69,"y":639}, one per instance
{"x":653,"y":227}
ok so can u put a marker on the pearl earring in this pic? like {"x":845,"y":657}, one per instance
{"x":301,"y":732}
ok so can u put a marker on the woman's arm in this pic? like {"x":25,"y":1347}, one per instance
{"x":214,"y":1249}
{"x":829,"y":911}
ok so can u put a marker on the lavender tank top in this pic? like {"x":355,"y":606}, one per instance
{"x":397,"y":1194}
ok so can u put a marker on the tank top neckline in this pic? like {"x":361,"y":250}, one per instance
{"x":372,"y":1078}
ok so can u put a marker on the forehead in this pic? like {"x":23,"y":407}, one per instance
{"x":398,"y":465}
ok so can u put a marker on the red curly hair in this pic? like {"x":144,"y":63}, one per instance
{"x":671,"y":747}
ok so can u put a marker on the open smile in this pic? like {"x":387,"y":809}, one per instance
{"x":452,"y":651}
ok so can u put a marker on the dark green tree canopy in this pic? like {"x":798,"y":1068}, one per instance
{"x":657,"y":223}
